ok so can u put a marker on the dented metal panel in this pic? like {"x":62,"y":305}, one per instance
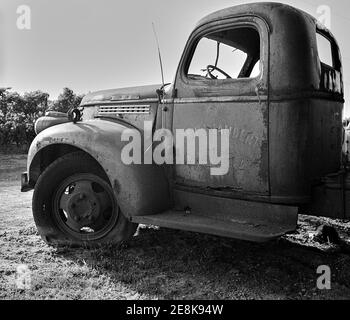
{"x":239,"y":105}
{"x":139,"y":189}
{"x":247,"y":123}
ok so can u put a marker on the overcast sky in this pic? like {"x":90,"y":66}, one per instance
{"x":90,"y":45}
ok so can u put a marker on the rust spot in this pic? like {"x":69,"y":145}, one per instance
{"x":116,"y":186}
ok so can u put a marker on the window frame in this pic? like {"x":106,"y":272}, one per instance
{"x":242,"y":66}
{"x":336,"y":59}
{"x":249,"y":84}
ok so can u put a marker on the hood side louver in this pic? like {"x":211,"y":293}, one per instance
{"x":126,"y":109}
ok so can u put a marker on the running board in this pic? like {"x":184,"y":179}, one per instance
{"x":230,"y":228}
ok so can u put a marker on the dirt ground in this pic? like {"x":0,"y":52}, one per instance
{"x":164,"y":264}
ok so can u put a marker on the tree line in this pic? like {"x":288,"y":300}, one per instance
{"x":18,"y":113}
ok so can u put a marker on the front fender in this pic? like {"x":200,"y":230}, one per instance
{"x":139,"y":189}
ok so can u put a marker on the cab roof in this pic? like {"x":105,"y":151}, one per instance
{"x":292,"y":44}
{"x":266,"y":10}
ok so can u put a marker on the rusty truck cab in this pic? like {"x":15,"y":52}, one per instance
{"x":283,"y":103}
{"x":286,"y":128}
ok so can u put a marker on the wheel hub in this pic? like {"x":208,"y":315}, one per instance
{"x":83,"y":207}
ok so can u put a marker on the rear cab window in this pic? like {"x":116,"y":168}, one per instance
{"x":330,"y":63}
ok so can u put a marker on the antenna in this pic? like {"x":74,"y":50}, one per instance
{"x":160,"y":56}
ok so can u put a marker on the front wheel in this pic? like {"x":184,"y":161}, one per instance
{"x":74,"y":205}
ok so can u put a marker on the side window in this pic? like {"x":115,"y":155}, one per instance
{"x":331,"y":79}
{"x":227,"y":54}
{"x":324,"y":50}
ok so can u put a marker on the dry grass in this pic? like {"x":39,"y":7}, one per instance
{"x":160,"y":263}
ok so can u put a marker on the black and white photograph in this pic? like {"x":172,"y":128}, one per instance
{"x":192,"y":152}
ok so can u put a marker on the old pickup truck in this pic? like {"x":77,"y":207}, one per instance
{"x":266,"y":74}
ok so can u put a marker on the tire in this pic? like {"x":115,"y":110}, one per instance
{"x":74,"y":205}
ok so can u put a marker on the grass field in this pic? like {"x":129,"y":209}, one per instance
{"x":161,"y":263}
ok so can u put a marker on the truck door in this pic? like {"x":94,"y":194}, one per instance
{"x":222,"y":84}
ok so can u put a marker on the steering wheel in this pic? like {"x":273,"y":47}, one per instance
{"x":211,"y":68}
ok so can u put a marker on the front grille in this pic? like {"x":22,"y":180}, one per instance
{"x":127,"y":109}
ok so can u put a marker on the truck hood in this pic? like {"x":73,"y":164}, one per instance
{"x":131,"y":93}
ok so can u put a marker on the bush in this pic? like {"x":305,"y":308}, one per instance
{"x":18,"y":113}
